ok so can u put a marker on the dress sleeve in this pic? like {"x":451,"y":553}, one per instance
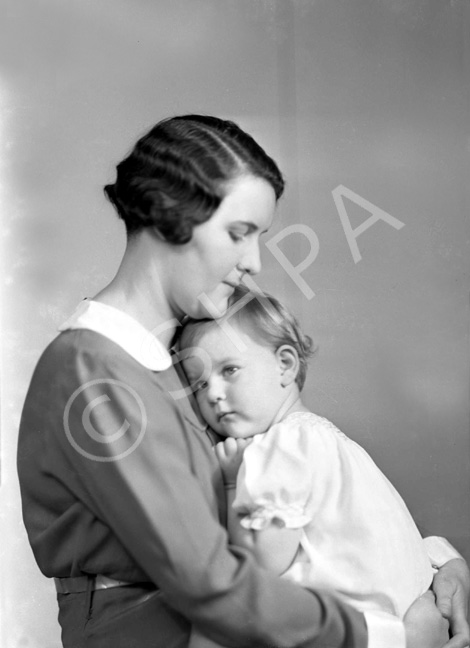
{"x":440,"y":551}
{"x":148,"y":494}
{"x":276,"y":478}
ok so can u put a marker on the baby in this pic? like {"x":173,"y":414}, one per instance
{"x":306,"y":500}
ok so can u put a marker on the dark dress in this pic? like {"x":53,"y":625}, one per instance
{"x":118,"y":478}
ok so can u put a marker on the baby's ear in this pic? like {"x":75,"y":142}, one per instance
{"x":288,"y":360}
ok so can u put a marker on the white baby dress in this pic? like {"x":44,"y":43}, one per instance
{"x":359,"y":538}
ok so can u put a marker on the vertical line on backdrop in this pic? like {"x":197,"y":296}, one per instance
{"x":287,"y":106}
{"x":466,"y":171}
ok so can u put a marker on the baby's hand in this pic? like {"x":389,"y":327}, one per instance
{"x":230,"y":455}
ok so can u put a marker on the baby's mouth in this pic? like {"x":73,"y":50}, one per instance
{"x":222,"y":415}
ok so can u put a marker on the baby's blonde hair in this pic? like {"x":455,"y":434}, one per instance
{"x":266,"y":319}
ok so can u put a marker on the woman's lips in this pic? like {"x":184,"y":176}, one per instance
{"x":232,"y":285}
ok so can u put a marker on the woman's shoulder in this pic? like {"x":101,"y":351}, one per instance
{"x":82,"y":343}
{"x":86,"y":357}
{"x":85,"y":348}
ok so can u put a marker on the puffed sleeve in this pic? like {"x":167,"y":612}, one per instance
{"x":275,"y":480}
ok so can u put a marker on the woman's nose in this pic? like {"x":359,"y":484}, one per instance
{"x":251,"y":261}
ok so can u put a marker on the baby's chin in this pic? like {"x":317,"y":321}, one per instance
{"x":237,"y":433}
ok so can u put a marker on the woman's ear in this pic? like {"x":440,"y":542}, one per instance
{"x":288,"y":360}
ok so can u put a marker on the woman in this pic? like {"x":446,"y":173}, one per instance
{"x":122,"y":496}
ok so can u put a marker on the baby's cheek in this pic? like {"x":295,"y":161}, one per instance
{"x":205,"y":410}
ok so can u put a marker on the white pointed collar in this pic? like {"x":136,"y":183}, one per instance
{"x":122,"y":329}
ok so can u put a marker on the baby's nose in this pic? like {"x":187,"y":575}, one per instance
{"x":215,"y":392}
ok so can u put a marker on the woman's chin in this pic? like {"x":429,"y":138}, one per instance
{"x":209,"y":308}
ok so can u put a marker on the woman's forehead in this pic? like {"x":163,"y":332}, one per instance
{"x":249,"y":199}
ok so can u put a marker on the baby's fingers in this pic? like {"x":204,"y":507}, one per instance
{"x":220,"y":451}
{"x":226,"y":449}
{"x":243,"y":443}
{"x":231,"y":446}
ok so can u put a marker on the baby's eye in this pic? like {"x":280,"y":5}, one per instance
{"x":229,"y":371}
{"x":200,"y":385}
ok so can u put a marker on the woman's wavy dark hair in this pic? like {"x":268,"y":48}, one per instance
{"x":177,"y":174}
{"x":263,"y":318}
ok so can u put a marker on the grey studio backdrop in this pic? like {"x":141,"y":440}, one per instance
{"x":365,"y":105}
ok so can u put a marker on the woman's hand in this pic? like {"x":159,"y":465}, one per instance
{"x":451,"y":585}
{"x":230,"y":456}
{"x":425,"y":626}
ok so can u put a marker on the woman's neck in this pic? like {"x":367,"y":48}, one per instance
{"x":137,"y":290}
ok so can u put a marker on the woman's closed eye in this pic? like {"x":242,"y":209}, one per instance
{"x":239,"y":231}
{"x":237,"y":236}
